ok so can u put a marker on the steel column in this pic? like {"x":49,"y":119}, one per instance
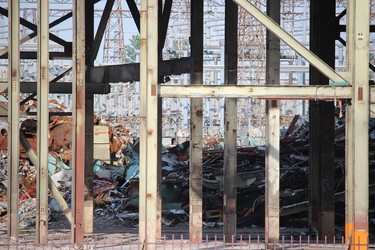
{"x":358,"y":12}
{"x":13,"y":118}
{"x":272,"y":172}
{"x":230,"y":121}
{"x":149,"y":196}
{"x":322,"y":125}
{"x":79,"y":121}
{"x":349,"y":173}
{"x":161,"y":23}
{"x":196,"y":124}
{"x":89,"y":124}
{"x":349,"y":152}
{"x":291,"y":41}
{"x":43,"y":122}
{"x":314,"y":180}
{"x":89,"y":160}
{"x":143,"y":125}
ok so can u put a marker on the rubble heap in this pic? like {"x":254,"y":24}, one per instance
{"x":116,"y":181}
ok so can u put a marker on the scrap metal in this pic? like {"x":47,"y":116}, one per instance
{"x":116,"y":182}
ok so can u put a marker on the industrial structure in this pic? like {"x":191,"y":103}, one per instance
{"x":247,"y":63}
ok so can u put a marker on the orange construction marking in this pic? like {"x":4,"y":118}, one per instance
{"x":360,"y":240}
{"x":349,"y":229}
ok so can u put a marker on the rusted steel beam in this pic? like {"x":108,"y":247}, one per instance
{"x":291,"y":127}
{"x":79,"y":63}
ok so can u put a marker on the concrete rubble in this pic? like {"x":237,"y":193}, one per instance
{"x":116,"y":190}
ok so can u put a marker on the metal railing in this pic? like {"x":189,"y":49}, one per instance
{"x":127,"y":241}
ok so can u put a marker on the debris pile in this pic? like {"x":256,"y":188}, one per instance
{"x":116,"y":175}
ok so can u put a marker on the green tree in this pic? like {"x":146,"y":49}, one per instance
{"x":132,"y":50}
